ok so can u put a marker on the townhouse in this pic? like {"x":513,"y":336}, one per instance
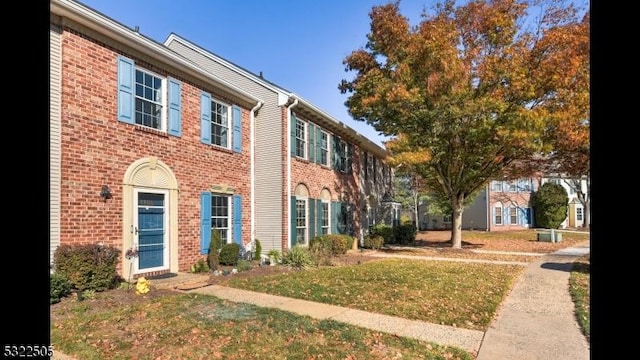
{"x":576,"y":214}
{"x":151,"y":149}
{"x":312,"y":173}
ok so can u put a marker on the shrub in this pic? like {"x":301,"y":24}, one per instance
{"x":550,"y":205}
{"x":320,"y":250}
{"x":298,"y":257}
{"x":349,"y":242}
{"x":374,"y":242}
{"x":384,"y":230}
{"x":229,"y":254}
{"x":243,"y":265}
{"x":338,"y":243}
{"x":258,"y":250}
{"x":214,"y":249}
{"x":88,"y":267}
{"x":200,"y":266}
{"x":405,"y":233}
{"x":274,"y":255}
{"x":59,"y":287}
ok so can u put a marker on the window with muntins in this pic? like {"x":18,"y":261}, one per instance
{"x":342,"y":157}
{"x":301,"y":139}
{"x":301,"y":221}
{"x":150,"y":100}
{"x":496,"y":186}
{"x":513,"y":215}
{"x":323,"y":143}
{"x":220,"y":124}
{"x":497,"y":214}
{"x":147,"y":99}
{"x":324,"y":206}
{"x":579,"y":213}
{"x":220,"y":215}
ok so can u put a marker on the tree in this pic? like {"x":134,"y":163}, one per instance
{"x":465,"y":94}
{"x":407,"y":191}
{"x":550,"y":205}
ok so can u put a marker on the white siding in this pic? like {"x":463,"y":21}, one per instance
{"x":55,"y":66}
{"x":268,"y":144}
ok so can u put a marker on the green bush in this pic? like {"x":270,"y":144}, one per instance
{"x":243,"y":265}
{"x":320,"y":250}
{"x":384,"y":230}
{"x":200,"y":266}
{"x":229,"y":254}
{"x":214,"y":249}
{"x":550,"y":204}
{"x":338,"y":243}
{"x":405,"y":233}
{"x":258,"y":250}
{"x":274,"y":255}
{"x":373,"y":242}
{"x":88,"y":267}
{"x":298,"y":257}
{"x":59,"y":287}
{"x":349,"y":241}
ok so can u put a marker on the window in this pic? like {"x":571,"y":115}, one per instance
{"x":323,"y":143}
{"x":301,"y":221}
{"x":512,"y":186}
{"x":369,"y":166}
{"x":524,"y":185}
{"x":220,"y":216}
{"x":219,"y":124}
{"x":301,"y":139}
{"x":324,"y":217}
{"x":342,"y":157}
{"x":579,"y":213}
{"x":497,"y":214}
{"x":446,"y":219}
{"x":513,"y":215}
{"x":147,"y":99}
{"x":150,"y":100}
{"x":496,"y":186}
{"x":222,"y":212}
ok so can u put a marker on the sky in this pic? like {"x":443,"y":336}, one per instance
{"x":298,"y":45}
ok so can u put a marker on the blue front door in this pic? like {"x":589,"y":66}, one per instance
{"x":151,"y":229}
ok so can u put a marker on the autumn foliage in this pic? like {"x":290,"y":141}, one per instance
{"x":473,"y":90}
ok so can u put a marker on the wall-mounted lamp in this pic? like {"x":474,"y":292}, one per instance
{"x":105,"y":193}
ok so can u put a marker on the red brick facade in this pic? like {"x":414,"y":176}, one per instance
{"x":97,"y":149}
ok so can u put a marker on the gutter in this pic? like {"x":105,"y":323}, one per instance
{"x":253,"y":169}
{"x":288,"y":155}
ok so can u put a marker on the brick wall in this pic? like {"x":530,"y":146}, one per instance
{"x":97,"y":149}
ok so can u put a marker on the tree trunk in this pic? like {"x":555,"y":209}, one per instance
{"x":456,"y":221}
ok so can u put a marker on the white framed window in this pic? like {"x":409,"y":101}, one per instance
{"x":301,"y":139}
{"x":446,"y":219}
{"x":323,"y":142}
{"x":513,"y":215}
{"x":301,"y":221}
{"x":324,"y":217}
{"x":579,"y":213}
{"x":497,"y":214}
{"x":342,"y":156}
{"x":150,"y":100}
{"x":512,"y":186}
{"x":496,"y":186}
{"x":220,"y":116}
{"x":221,"y":216}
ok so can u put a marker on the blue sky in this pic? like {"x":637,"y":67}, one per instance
{"x":299,"y":45}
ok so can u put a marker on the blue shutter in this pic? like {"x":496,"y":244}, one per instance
{"x":528,"y":216}
{"x":205,"y":222}
{"x":493,"y":215}
{"x":175,"y":108}
{"x":205,"y":118}
{"x":126,"y":90}
{"x":334,"y":153}
{"x":311,"y":131}
{"x":237,"y":129}
{"x":294,"y":217}
{"x":293,"y":135}
{"x":312,"y":218}
{"x":237,"y":219}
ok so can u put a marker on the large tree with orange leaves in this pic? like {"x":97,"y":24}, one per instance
{"x":467,"y":93}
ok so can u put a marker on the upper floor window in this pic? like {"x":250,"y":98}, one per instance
{"x":369,"y":168}
{"x":323,"y":143}
{"x":301,"y":139}
{"x":148,"y":99}
{"x":342,"y":156}
{"x":496,"y":186}
{"x":524,"y":185}
{"x":220,"y":123}
{"x":512,"y":186}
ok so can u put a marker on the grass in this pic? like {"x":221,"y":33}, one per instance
{"x":190,"y":326}
{"x":463,"y":295}
{"x":579,"y":281}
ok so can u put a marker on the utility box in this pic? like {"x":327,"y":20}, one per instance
{"x":550,"y":236}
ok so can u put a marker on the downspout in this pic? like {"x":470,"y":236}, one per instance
{"x":252,"y":134}
{"x":288,"y":155}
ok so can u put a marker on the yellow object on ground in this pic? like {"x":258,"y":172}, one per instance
{"x":142,"y":286}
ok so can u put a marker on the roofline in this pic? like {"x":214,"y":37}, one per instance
{"x":276,"y":88}
{"x":102,"y":24}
